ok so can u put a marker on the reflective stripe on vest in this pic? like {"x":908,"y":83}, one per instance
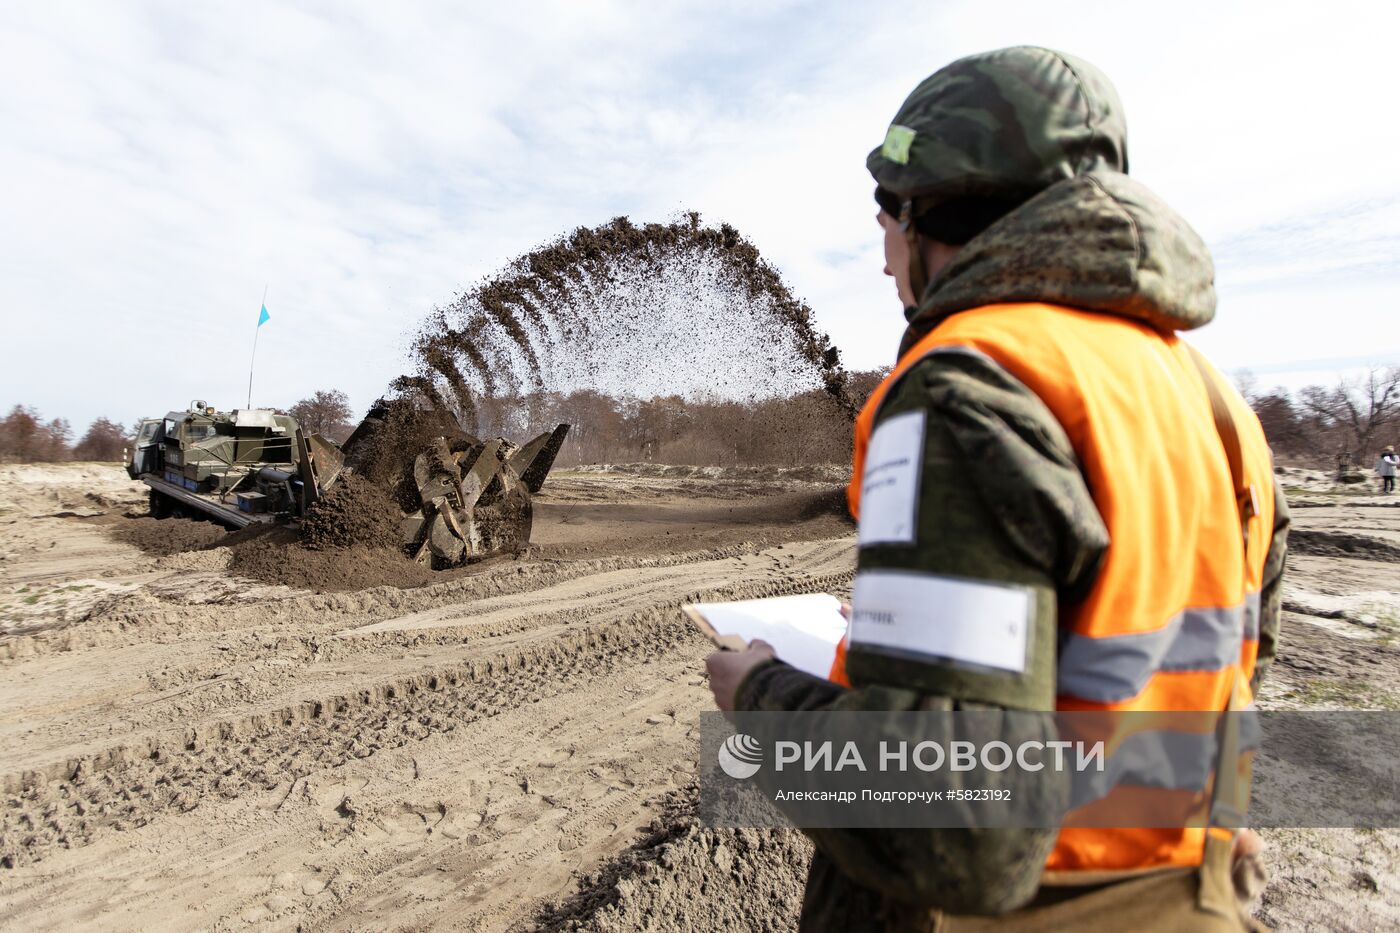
{"x":1114,"y":668}
{"x":1172,"y":620}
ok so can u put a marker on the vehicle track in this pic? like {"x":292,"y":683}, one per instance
{"x":467,"y":827}
{"x":54,"y":709}
{"x":503,"y":788}
{"x":68,"y":803}
{"x":141,"y":617}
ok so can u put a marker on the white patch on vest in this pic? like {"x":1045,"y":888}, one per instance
{"x":889,"y":487}
{"x":942,"y":618}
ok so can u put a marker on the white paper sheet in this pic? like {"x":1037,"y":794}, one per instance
{"x":803,"y":630}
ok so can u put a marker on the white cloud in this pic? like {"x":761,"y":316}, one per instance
{"x":164,"y":162}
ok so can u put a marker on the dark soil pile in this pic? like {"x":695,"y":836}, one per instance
{"x":169,"y":535}
{"x":1341,"y":544}
{"x":626,"y":310}
{"x":830,"y":501}
{"x":356,"y":512}
{"x":682,"y":876}
{"x":349,"y":540}
{"x":279,"y":558}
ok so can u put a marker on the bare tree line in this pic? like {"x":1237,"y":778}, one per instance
{"x":1348,"y":422}
{"x":807,"y":428}
{"x":1345,"y":424}
{"x":26,"y":437}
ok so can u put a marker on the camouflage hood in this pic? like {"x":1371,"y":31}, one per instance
{"x":1100,"y":241}
{"x":1042,"y":133}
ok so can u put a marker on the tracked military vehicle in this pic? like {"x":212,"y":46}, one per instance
{"x":237,"y":468}
{"x":464,"y":498}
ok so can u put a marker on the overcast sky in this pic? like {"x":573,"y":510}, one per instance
{"x":164,"y":162}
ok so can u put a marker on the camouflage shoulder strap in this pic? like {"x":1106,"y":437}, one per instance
{"x":1216,"y":893}
{"x":1246,"y":496}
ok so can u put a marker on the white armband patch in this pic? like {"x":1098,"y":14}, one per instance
{"x":942,"y":618}
{"x":889,"y":487}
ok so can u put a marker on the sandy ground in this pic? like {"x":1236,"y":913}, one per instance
{"x":511,"y":748}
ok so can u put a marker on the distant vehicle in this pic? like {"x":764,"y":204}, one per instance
{"x":236,"y":468}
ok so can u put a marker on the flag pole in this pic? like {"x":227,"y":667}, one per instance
{"x":255,"y":347}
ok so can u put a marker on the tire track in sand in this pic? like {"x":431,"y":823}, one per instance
{"x":529,"y":657}
{"x":466,"y":829}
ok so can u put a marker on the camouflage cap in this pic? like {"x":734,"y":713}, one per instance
{"x":1002,"y":125}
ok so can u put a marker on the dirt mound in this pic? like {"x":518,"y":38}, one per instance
{"x":830,"y":501}
{"x":356,"y":512}
{"x":349,"y":541}
{"x":167,"y":536}
{"x":1342,"y":544}
{"x":684,"y":877}
{"x":281,"y":559}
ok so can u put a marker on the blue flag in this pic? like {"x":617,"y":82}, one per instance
{"x":264,"y":317}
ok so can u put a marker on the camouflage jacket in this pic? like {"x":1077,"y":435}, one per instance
{"x":1001,"y":498}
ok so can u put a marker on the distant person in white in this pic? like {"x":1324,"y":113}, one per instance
{"x":1385,"y":469}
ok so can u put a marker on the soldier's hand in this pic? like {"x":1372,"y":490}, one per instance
{"x":728,"y":669}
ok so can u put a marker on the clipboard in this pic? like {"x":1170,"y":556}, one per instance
{"x":727,"y":642}
{"x":803,"y":629}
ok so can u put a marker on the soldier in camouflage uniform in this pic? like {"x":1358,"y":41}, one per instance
{"x":1003,"y":180}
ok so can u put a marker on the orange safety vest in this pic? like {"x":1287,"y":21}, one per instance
{"x":1172,"y":620}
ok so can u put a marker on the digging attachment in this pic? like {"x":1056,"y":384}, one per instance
{"x":533,"y":461}
{"x":319,"y":464}
{"x":469,"y":498}
{"x":474,"y":504}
